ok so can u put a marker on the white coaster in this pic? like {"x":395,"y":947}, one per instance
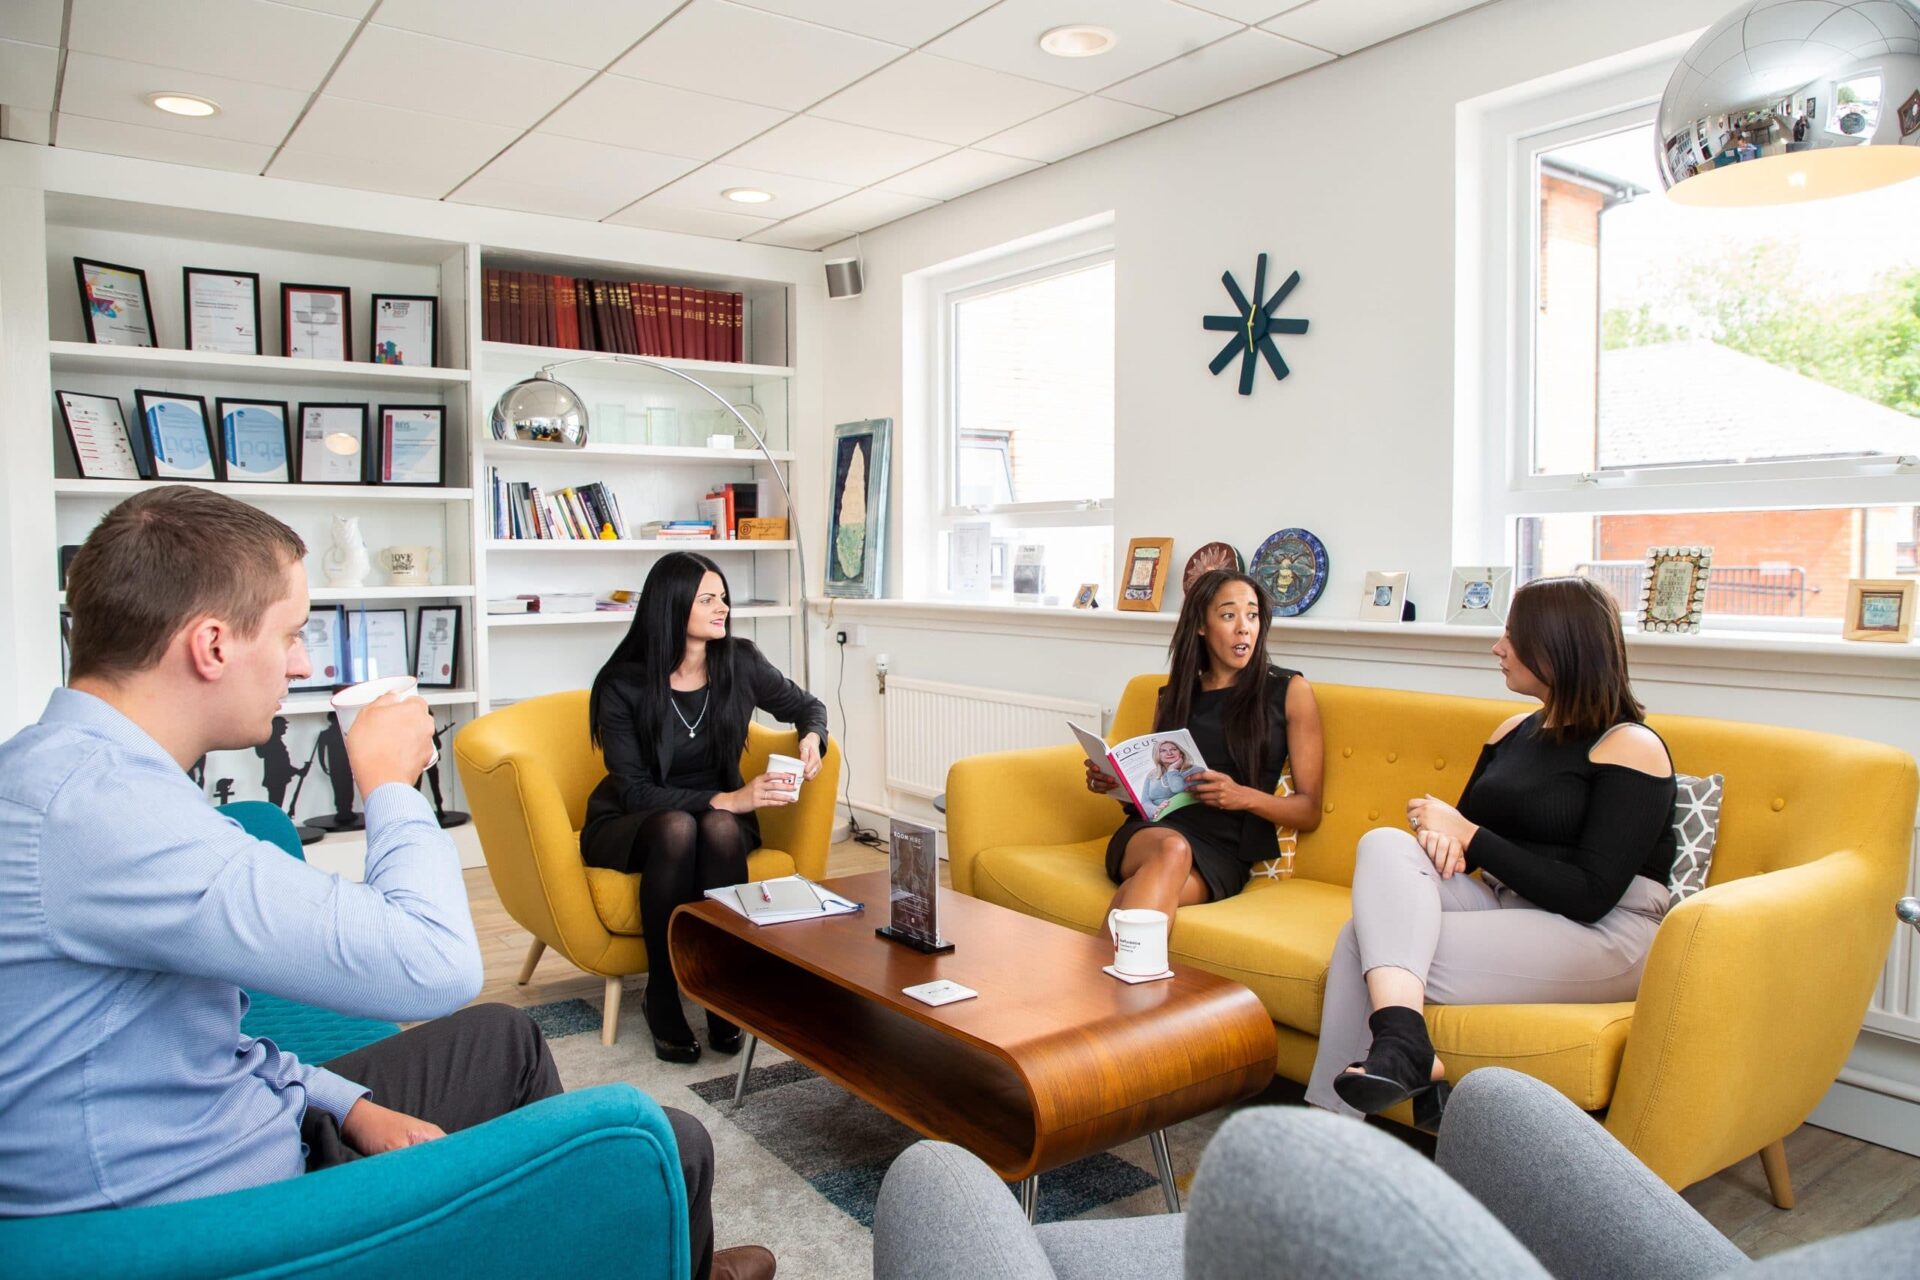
{"x":1132,"y":979}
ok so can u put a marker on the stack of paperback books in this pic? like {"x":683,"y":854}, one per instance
{"x":581,"y":513}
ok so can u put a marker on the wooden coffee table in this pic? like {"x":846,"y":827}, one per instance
{"x":1054,"y":1060}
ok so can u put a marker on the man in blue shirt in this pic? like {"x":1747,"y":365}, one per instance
{"x":132,"y":913}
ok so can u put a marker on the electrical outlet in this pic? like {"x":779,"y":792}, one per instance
{"x":855,"y":636}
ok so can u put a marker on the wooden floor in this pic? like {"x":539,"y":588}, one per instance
{"x":1841,"y":1183}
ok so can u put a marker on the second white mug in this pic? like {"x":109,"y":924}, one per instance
{"x":348,"y":701}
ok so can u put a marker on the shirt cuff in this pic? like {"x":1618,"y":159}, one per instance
{"x":398,"y":802}
{"x":332,"y":1094}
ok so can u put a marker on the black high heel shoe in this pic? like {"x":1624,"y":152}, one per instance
{"x":1399,"y":1067}
{"x":677,"y":1043}
{"x":722,"y":1036}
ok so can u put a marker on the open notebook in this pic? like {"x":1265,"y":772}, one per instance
{"x":781,"y":900}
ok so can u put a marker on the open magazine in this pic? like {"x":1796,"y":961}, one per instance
{"x":1152,"y":769}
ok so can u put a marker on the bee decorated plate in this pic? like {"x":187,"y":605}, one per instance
{"x":1292,"y":566}
{"x":1215,"y":555}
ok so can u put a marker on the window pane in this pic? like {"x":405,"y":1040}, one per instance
{"x":1668,"y":335}
{"x":1779,"y":564}
{"x":1064,"y":559}
{"x":1033,"y":391}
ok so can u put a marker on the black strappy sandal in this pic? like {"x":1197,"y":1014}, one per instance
{"x":1399,"y":1067}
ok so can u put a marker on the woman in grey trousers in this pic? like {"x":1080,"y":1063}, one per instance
{"x":1568,"y":820}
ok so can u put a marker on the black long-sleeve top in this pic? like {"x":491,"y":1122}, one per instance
{"x":641,"y":775}
{"x":1566,"y":833}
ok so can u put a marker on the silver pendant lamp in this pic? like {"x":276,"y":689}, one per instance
{"x":1783,"y":101}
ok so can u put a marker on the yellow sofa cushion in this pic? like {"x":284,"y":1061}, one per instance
{"x":616,"y":894}
{"x":1576,"y":1048}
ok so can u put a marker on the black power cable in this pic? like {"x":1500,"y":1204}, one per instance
{"x":855,"y":832}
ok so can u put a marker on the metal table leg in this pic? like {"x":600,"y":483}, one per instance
{"x":1029,"y":1191}
{"x":1162,"y":1158}
{"x":746,"y":1065}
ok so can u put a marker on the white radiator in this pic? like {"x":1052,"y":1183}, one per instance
{"x":930,"y":725}
{"x":1896,"y":1005}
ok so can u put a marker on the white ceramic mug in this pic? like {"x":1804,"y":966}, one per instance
{"x":348,"y":702}
{"x":792,"y":765}
{"x":407,"y":566}
{"x":1139,"y":941}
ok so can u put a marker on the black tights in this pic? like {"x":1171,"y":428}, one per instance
{"x":680,"y":856}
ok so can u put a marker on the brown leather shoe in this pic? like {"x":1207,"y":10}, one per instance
{"x":743,"y":1262}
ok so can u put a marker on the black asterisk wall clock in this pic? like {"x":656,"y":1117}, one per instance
{"x":1253,"y":326}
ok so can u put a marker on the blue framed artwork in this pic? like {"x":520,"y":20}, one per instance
{"x":857,"y":520}
{"x":256,"y":439}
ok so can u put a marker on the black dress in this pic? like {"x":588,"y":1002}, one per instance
{"x":1225,"y":844}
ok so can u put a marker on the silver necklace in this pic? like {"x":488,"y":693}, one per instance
{"x":693,"y":726}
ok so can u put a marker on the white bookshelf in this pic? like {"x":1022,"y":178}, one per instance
{"x":163,"y":362}
{"x":624,"y":617}
{"x":641,"y":454}
{"x":253,"y":491}
{"x":590,"y":546}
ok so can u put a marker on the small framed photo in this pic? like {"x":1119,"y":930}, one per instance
{"x":376,"y":644}
{"x":406,"y":328}
{"x":103,"y":447}
{"x":437,"y":644}
{"x":316,"y":322}
{"x":115,"y":304}
{"x":1479,"y":595}
{"x":223,"y":311}
{"x":1910,"y":115}
{"x":256,"y":440}
{"x":1880,"y":609}
{"x":1088,"y":596}
{"x":1676,"y":588}
{"x":178,"y":436}
{"x":325,"y":640}
{"x":1384,"y":597}
{"x":412,"y":444}
{"x":1143,"y":575}
{"x":333,"y":443}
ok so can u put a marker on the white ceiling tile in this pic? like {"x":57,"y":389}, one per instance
{"x":528,"y":197}
{"x":586,"y":33}
{"x":752,"y":55}
{"x":701,"y":190}
{"x":410,"y":151}
{"x":911,"y":23}
{"x":797,"y":235}
{"x":1247,"y":11}
{"x":1007,"y":38}
{"x":861,"y":211}
{"x":699,"y":222}
{"x":109,"y":89}
{"x":958,"y":173}
{"x":27,"y":73}
{"x":1074,"y":127}
{"x":31,"y":21}
{"x":115,"y":138}
{"x":355,"y":9}
{"x":406,"y":69}
{"x":1217,"y":72}
{"x":944,"y":100}
{"x":20,"y":124}
{"x":657,"y":117}
{"x":401,"y":176}
{"x":810,"y":147}
{"x":1346,"y":28}
{"x":571,"y":177}
{"x":239,"y":39}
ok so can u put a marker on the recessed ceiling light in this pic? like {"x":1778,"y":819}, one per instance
{"x":1078,"y":41}
{"x":747,"y":195}
{"x":184,"y":104}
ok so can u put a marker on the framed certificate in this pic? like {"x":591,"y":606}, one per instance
{"x":333,"y":443}
{"x":406,"y":328}
{"x":223,"y":311}
{"x":437,"y":665}
{"x":178,"y":436}
{"x":376,"y":644}
{"x":256,"y":441}
{"x":413,"y":444}
{"x":103,"y":448}
{"x":316,"y":321}
{"x":114,"y":304}
{"x":324,"y":638}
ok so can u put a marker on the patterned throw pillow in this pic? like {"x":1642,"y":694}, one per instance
{"x":1280,"y":868}
{"x":1696,"y":823}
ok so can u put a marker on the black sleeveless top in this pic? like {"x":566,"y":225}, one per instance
{"x":1563,"y":832}
{"x":1242,"y":835}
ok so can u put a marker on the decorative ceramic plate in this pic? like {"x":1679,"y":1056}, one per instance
{"x":1292,"y":566}
{"x":1215,"y":555}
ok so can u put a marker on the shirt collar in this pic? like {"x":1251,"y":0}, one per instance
{"x":102,"y":719}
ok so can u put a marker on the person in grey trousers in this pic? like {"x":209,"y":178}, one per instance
{"x":1568,"y":819}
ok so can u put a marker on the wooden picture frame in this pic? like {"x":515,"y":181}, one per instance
{"x":1479,"y":594}
{"x":1880,"y":609}
{"x":1088,"y":596}
{"x":422,"y":434}
{"x":319,"y":422}
{"x":168,"y":427}
{"x":314,"y":337}
{"x":104,"y":446}
{"x":1143,"y":575}
{"x":399,"y":334}
{"x":435,"y":651}
{"x":1383,"y":597}
{"x":862,"y":463}
{"x":209,"y":327}
{"x":1673,"y":595}
{"x":247,"y":444}
{"x":115,"y":304}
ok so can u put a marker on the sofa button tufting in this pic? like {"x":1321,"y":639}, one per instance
{"x":1329,"y":807}
{"x":1346,"y":753}
{"x":1393,"y":757}
{"x":1373,"y":815}
{"x":1779,"y":804}
{"x":1439,"y":763}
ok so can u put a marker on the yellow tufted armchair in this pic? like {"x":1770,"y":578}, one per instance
{"x":1752,"y":996}
{"x":528,"y":770}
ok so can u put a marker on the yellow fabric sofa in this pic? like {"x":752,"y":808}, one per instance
{"x":528,"y":770}
{"x":1752,"y":995}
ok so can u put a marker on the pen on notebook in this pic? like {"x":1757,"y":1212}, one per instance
{"x":764,"y":895}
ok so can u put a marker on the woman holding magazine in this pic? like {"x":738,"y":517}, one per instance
{"x":1249,"y":719}
{"x":670,"y":711}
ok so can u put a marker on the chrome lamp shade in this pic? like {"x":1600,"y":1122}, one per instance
{"x":1781,"y":102}
{"x":541,"y":410}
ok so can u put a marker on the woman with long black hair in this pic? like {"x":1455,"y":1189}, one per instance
{"x":669,"y":710}
{"x":1249,"y":719}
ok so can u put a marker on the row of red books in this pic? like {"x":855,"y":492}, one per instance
{"x":625,"y":317}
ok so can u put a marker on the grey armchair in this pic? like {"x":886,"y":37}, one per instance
{"x":1525,"y":1185}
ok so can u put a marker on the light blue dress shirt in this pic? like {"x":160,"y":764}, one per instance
{"x":131,"y":915}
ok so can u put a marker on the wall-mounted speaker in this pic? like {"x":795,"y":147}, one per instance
{"x":844,"y":278}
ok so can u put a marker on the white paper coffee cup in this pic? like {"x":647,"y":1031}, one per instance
{"x":347,"y":703}
{"x":792,"y":765}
